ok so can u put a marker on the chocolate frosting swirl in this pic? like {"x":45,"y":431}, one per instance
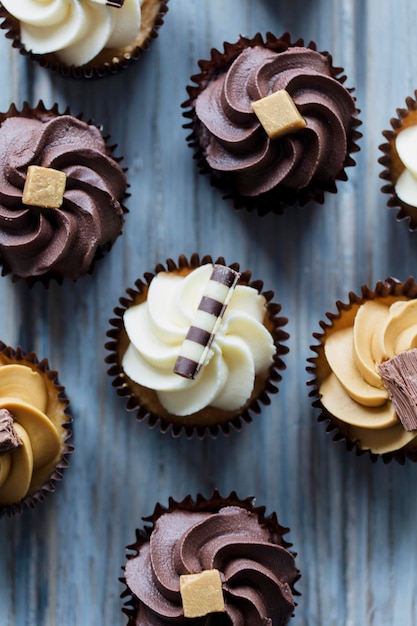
{"x":257,"y":574}
{"x":60,"y":242}
{"x":235,"y":144}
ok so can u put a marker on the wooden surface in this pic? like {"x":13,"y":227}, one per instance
{"x":352,"y":523}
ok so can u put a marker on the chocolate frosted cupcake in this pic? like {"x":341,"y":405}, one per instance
{"x":400,"y":163}
{"x":365,"y":370}
{"x":197,"y":346}
{"x":272,"y":122}
{"x":83,"y":38}
{"x":61,"y":194}
{"x":216,"y":561}
{"x":34,"y":430}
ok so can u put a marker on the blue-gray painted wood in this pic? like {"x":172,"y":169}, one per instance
{"x":352,"y":523}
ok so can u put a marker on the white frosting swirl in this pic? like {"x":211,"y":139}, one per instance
{"x":406,"y":146}
{"x":242,"y":347}
{"x":76,"y":30}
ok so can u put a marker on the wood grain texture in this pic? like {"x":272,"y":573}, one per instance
{"x":352,"y":523}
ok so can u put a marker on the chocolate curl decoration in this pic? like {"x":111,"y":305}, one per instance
{"x":206,"y":322}
{"x":8,"y":437}
{"x":399,"y":375}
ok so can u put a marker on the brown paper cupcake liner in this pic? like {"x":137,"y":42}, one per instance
{"x":132,"y":392}
{"x":319,"y":367}
{"x":18,"y":356}
{"x":392,"y":164}
{"x":277,"y":199}
{"x":109,"y":61}
{"x":43,"y":113}
{"x":202,"y":504}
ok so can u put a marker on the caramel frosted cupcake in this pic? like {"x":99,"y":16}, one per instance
{"x":61,"y":194}
{"x":215,"y":561}
{"x":365,"y":370}
{"x":272,"y":122}
{"x":83,"y":38}
{"x":34,"y":430}
{"x":196,"y":346}
{"x":400,"y":163}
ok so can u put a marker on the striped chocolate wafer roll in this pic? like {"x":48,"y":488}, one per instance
{"x":206,"y":322}
{"x":111,"y":3}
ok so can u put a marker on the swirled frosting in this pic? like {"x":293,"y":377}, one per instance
{"x":406,"y":147}
{"x":241,"y":350}
{"x":234,"y":141}
{"x":25,"y":469}
{"x":60,"y":242}
{"x":256,"y":573}
{"x":354,"y":391}
{"x":76,"y":30}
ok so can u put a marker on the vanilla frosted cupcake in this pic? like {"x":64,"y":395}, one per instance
{"x":34,"y":430}
{"x":83,"y":38}
{"x":400,"y":163}
{"x":232,"y":565}
{"x":197,"y":346}
{"x":61,"y":194}
{"x":365,"y":370}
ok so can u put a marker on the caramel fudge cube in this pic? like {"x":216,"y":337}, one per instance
{"x":202,"y":593}
{"x":44,"y":187}
{"x":278,"y":114}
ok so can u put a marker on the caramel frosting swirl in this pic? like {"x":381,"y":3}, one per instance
{"x":24,"y":469}
{"x":354,"y":391}
{"x":256,"y":573}
{"x":60,"y":242}
{"x":235,"y":143}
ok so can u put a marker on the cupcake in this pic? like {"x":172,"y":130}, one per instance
{"x":272,"y":122}
{"x":400,"y":163}
{"x":196,"y":346}
{"x":34,"y":430}
{"x":83,"y":38}
{"x":215,"y":561}
{"x":60,"y":197}
{"x":365,"y":370}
